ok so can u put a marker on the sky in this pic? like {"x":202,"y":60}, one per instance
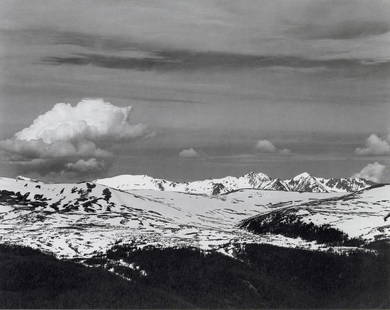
{"x":187,"y":90}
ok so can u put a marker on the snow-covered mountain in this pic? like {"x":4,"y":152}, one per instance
{"x":303,"y":182}
{"x":363,"y":215}
{"x":209,"y":186}
{"x":346,"y":184}
{"x":84,"y":219}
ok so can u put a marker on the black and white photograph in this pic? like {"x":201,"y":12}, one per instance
{"x":194,"y":154}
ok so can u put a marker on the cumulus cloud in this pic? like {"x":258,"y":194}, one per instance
{"x":189,"y":153}
{"x":72,"y":138}
{"x":90,"y":119}
{"x":266,"y":146}
{"x":375,"y":145}
{"x":373,"y":172}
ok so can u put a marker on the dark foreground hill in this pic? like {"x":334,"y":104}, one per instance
{"x":31,"y":279}
{"x":263,"y":276}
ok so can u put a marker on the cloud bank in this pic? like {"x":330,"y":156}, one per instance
{"x":73,"y":139}
{"x":373,"y":172}
{"x":375,"y":145}
{"x":188,"y":153}
{"x":266,"y":146}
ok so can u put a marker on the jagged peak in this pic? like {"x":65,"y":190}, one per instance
{"x":259,"y":175}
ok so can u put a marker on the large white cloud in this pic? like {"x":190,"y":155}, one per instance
{"x":373,"y":172}
{"x":73,"y":138}
{"x":90,"y":119}
{"x":375,"y":145}
{"x":266,"y":146}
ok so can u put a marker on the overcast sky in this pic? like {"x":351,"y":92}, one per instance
{"x":216,"y":87}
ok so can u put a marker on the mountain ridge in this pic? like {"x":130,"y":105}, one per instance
{"x":303,"y":182}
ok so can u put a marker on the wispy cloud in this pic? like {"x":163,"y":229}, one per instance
{"x":343,"y":30}
{"x":341,"y":20}
{"x":180,"y":60}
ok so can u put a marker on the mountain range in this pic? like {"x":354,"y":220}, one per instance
{"x":87,"y":218}
{"x":195,"y":243}
{"x":303,"y":182}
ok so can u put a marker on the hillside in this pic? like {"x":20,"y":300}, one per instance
{"x":30,"y":279}
{"x":361,"y":215}
{"x":263,"y":277}
{"x":83,"y":219}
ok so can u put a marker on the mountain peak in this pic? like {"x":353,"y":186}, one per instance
{"x":258,"y":175}
{"x":303,"y":175}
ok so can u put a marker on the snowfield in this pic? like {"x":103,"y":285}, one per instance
{"x":85,"y":219}
{"x":363,"y":215}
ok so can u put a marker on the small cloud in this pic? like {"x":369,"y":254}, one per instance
{"x":73,"y":139}
{"x":189,"y":153}
{"x":86,"y":166}
{"x":266,"y":146}
{"x":373,"y":172}
{"x":375,"y":145}
{"x":285,"y":151}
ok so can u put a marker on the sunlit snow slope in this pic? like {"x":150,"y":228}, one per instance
{"x":78,"y":220}
{"x":364,"y":215}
